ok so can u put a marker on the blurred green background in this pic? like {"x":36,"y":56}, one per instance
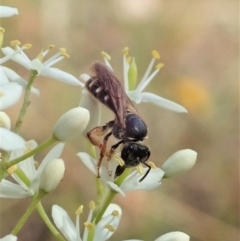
{"x":198,"y":43}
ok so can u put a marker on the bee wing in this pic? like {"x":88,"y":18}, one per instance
{"x":114,"y":95}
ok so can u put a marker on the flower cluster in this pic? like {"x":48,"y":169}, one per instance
{"x":23,"y":176}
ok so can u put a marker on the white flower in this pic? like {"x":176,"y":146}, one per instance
{"x":7,"y":74}
{"x":27,"y":188}
{"x":181,"y":161}
{"x":51,"y":175}
{"x":71,"y":124}
{"x":174,"y":236}
{"x":10,"y":141}
{"x":102,"y":231}
{"x":7,"y":11}
{"x":45,"y":68}
{"x":138,"y":95}
{"x":131,"y":183}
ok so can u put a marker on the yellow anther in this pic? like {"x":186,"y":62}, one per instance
{"x":115,"y":213}
{"x":12,"y":169}
{"x":139,"y":168}
{"x":51,"y":46}
{"x":92,"y":205}
{"x":110,"y":227}
{"x":64,"y":52}
{"x":2,"y":30}
{"x":27,"y":46}
{"x":155,"y":54}
{"x":89,"y":225}
{"x":152,"y":165}
{"x":1,"y":94}
{"x":105,"y":55}
{"x":125,"y":51}
{"x":15,"y":43}
{"x":129,"y":59}
{"x":119,"y":160}
{"x":79,"y":210}
{"x":159,"y":66}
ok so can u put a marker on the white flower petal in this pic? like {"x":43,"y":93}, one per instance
{"x":90,"y":103}
{"x":174,"y":236}
{"x":162,"y":102}
{"x":88,"y":161}
{"x":61,"y":76}
{"x":9,"y":95}
{"x":54,"y":153}
{"x":7,"y":11}
{"x":20,"y":58}
{"x":116,"y":188}
{"x":37,"y":65}
{"x":12,"y":190}
{"x":14,"y":77}
{"x":4,"y":78}
{"x":151,"y":181}
{"x":85,"y":77}
{"x":91,"y":164}
{"x":9,"y":237}
{"x":64,"y":223}
{"x":10,"y":141}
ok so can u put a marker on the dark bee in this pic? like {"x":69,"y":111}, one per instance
{"x":128,"y":127}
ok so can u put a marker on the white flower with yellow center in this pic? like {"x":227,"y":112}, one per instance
{"x":44,"y":68}
{"x":136,"y":94}
{"x":28,"y":177}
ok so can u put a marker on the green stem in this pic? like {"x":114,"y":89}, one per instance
{"x":107,"y":196}
{"x":38,"y":149}
{"x":48,"y":222}
{"x":30,"y":209}
{"x":26,"y":101}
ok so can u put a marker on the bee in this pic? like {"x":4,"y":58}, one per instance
{"x":128,"y":127}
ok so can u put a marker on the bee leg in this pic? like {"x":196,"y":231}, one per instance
{"x":94,"y":134}
{"x":102,"y":152}
{"x":149,"y":168}
{"x":113,"y":148}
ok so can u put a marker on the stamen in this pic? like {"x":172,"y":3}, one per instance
{"x":119,"y":160}
{"x":155,"y":54}
{"x":27,"y":46}
{"x":36,"y":164}
{"x":51,"y":46}
{"x":125,"y":51}
{"x":2,"y":30}
{"x":139,"y":168}
{"x":115,"y":213}
{"x":129,"y":59}
{"x":89,"y":226}
{"x":64,"y":52}
{"x":15,"y":44}
{"x":12,"y":169}
{"x":110,"y":227}
{"x":152,"y":165}
{"x":159,"y":66}
{"x":92,"y":205}
{"x":79,"y":210}
{"x":105,"y":55}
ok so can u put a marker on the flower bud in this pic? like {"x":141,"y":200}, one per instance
{"x":51,"y":175}
{"x":181,"y":161}
{"x":71,"y":124}
{"x":5,"y":121}
{"x":174,"y":236}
